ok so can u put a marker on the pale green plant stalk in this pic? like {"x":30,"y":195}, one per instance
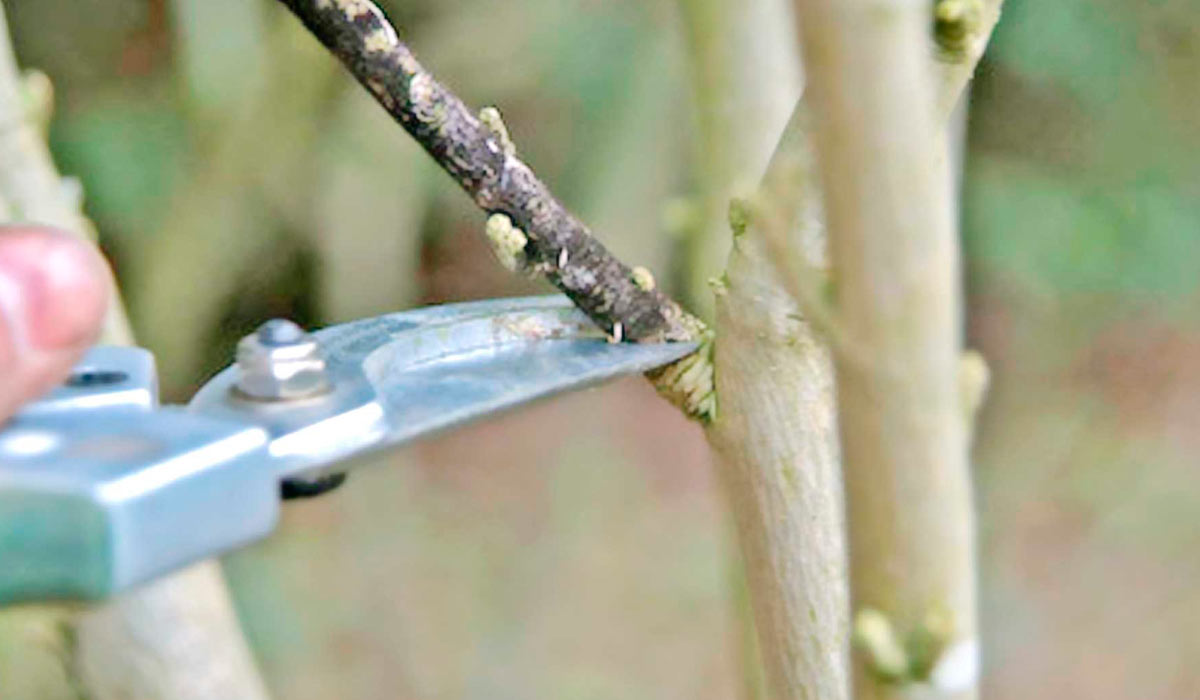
{"x":777,"y":445}
{"x":745,"y":76}
{"x":879,"y":127}
{"x":777,"y":431}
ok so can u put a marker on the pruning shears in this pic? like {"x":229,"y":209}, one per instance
{"x":103,"y":488}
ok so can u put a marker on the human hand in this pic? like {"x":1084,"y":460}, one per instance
{"x":53,"y":294}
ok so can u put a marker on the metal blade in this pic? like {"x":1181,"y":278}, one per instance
{"x":101,"y":489}
{"x":402,"y":376}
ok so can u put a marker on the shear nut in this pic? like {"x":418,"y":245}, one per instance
{"x":280,"y":362}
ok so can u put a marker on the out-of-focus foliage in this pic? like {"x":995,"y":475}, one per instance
{"x":1098,"y":138}
{"x":1083,"y":234}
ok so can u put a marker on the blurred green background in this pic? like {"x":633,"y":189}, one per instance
{"x":236,"y":173}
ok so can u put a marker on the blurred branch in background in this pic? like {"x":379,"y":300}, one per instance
{"x":254,"y":171}
{"x":222,"y":49}
{"x":879,"y":122}
{"x":746,"y":77}
{"x":778,"y":437}
{"x":1081,"y":214}
{"x":368,"y":176}
{"x":177,"y":638}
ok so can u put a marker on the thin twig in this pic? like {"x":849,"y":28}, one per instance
{"x":481,"y":161}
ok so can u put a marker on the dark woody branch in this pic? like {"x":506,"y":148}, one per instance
{"x":477,"y":154}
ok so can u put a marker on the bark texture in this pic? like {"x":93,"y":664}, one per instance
{"x":175,"y":639}
{"x":776,"y":437}
{"x":479,"y":158}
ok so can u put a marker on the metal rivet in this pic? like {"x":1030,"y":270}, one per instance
{"x":279,"y":331}
{"x":91,"y":378}
{"x":280,"y":362}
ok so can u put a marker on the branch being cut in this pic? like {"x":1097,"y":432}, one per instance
{"x":482,"y":162}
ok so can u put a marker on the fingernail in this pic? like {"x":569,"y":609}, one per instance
{"x":10,"y":336}
{"x":52,"y":290}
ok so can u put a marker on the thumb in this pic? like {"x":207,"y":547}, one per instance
{"x":53,"y":293}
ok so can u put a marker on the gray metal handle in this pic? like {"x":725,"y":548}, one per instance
{"x":101,"y":489}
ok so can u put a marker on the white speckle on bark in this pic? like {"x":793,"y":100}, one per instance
{"x":355,"y":8}
{"x":381,"y":39}
{"x":643,"y":278}
{"x":420,"y":89}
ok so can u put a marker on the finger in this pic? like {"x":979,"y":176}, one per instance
{"x":53,"y":293}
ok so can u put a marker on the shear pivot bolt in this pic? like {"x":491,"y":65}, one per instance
{"x":280,"y":362}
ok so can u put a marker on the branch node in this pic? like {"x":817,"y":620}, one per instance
{"x":690,"y":383}
{"x":875,"y":636}
{"x":740,"y":214}
{"x":929,"y":654}
{"x":956,"y":24}
{"x":494,"y":123}
{"x":928,"y":641}
{"x":719,"y":285}
{"x":508,"y":242}
{"x":642,"y":277}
